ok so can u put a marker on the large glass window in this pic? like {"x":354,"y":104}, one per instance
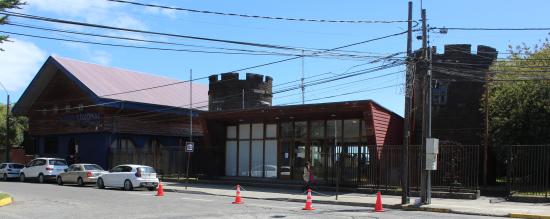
{"x":244,"y":157}
{"x":331,"y":131}
{"x":244,"y":131}
{"x":317,"y":129}
{"x":257,"y":158}
{"x":271,"y":131}
{"x":351,"y":129}
{"x":231,"y":158}
{"x":258,"y":131}
{"x":271,"y":158}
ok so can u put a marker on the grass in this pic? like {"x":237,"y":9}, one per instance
{"x":4,"y":195}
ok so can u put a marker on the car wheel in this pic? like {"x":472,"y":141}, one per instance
{"x":5,"y":177}
{"x":80,"y":182}
{"x":151,"y":188}
{"x":59,"y":181}
{"x":100,"y":184}
{"x":22,"y":177}
{"x":40,"y":178}
{"x":128,"y":185}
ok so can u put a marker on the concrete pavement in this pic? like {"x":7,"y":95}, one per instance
{"x":482,"y":206}
{"x":52,"y":201}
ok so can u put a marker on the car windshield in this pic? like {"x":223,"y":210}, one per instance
{"x":16,"y":166}
{"x":58,"y":162}
{"x":147,"y":170}
{"x":92,"y":167}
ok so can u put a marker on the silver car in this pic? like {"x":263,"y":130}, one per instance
{"x":10,"y":170}
{"x":81,"y":174}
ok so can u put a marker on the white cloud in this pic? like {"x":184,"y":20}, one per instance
{"x":162,"y":11}
{"x":20,"y":61}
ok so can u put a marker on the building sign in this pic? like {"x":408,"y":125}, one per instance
{"x":82,"y":120}
{"x":189,"y":146}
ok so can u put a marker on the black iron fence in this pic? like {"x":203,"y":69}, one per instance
{"x":527,"y":170}
{"x":379,"y":168}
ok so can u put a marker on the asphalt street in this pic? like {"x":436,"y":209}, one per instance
{"x":53,"y":201}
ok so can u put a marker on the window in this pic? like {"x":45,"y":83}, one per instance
{"x":16,"y":166}
{"x":147,"y":170}
{"x":40,"y":162}
{"x":439,"y":93}
{"x":117,"y":169}
{"x":125,"y":169}
{"x":92,"y":167}
{"x":318,"y":129}
{"x":58,"y":162}
{"x":2,"y":166}
{"x":271,"y":131}
{"x":231,"y":132}
{"x":231,"y":158}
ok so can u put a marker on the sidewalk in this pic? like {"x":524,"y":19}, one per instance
{"x":482,"y":206}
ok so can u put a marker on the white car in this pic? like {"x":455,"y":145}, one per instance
{"x":128,"y":177}
{"x":42,"y":169}
{"x":10,"y":170}
{"x":81,"y":174}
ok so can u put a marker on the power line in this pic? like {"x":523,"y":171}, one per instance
{"x":490,"y":29}
{"x":259,"y":16}
{"x":136,"y":47}
{"x":47,"y":19}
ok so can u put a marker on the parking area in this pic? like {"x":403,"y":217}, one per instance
{"x":52,"y":201}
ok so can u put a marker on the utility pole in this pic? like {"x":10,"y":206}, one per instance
{"x":302,"y":86}
{"x":407,"y":132}
{"x":427,"y":113}
{"x":8,"y":146}
{"x":190,"y":123}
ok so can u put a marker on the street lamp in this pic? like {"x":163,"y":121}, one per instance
{"x":7,"y":123}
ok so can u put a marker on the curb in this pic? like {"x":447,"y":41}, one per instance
{"x":6,"y":201}
{"x":532,"y":216}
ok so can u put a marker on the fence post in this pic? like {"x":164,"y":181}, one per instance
{"x":509,"y":171}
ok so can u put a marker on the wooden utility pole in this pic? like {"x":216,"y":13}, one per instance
{"x":407,"y":129}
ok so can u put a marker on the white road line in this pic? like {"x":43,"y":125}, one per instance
{"x":197,"y":199}
{"x":270,"y":206}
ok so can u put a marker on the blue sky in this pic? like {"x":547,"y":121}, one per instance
{"x":24,"y":56}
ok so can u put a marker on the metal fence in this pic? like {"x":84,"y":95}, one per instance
{"x":167,"y":161}
{"x":527,"y":170}
{"x":380,"y":168}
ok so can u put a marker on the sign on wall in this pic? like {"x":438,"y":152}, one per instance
{"x":189,"y":146}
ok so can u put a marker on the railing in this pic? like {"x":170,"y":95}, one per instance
{"x":528,"y":170}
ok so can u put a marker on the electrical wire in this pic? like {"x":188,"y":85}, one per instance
{"x":258,"y":16}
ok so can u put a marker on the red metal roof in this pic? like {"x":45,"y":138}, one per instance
{"x":118,"y":84}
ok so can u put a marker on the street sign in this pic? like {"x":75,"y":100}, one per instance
{"x":189,"y":146}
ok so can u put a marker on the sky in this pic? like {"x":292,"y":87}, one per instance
{"x":24,"y":56}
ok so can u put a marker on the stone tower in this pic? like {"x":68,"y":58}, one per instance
{"x":230,"y":93}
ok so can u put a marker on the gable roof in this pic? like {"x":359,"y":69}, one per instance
{"x":105,"y":84}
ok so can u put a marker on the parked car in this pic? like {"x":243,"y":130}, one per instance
{"x":81,"y":174}
{"x":128,"y":177}
{"x":42,"y":169}
{"x":270,"y":171}
{"x":10,"y":170}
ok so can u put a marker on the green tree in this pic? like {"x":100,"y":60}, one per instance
{"x":18,"y":126}
{"x":7,"y":4}
{"x":519,"y":96}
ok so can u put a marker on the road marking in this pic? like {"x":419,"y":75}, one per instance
{"x":197,"y":199}
{"x":142,"y":194}
{"x":269,"y":206}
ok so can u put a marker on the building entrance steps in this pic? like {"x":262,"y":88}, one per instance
{"x":490,"y":206}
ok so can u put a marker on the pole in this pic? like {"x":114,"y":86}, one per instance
{"x":429,"y":127}
{"x":190,"y":123}
{"x":424,"y":175}
{"x":8,"y":146}
{"x":486,"y":140}
{"x":303,"y":88}
{"x":407,"y":132}
{"x":339,"y":159}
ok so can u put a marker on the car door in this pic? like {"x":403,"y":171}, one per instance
{"x":123,"y":175}
{"x":69,"y":175}
{"x":78,"y":169}
{"x":31,"y":171}
{"x":27,"y":169}
{"x":110,"y":178}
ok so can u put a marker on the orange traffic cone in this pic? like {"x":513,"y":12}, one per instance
{"x":238,"y":199}
{"x":160,"y":190}
{"x":378,"y":207}
{"x":309,"y":201}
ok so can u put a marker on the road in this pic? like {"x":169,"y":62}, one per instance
{"x":53,"y":201}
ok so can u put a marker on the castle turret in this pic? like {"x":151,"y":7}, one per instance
{"x":232,"y":93}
